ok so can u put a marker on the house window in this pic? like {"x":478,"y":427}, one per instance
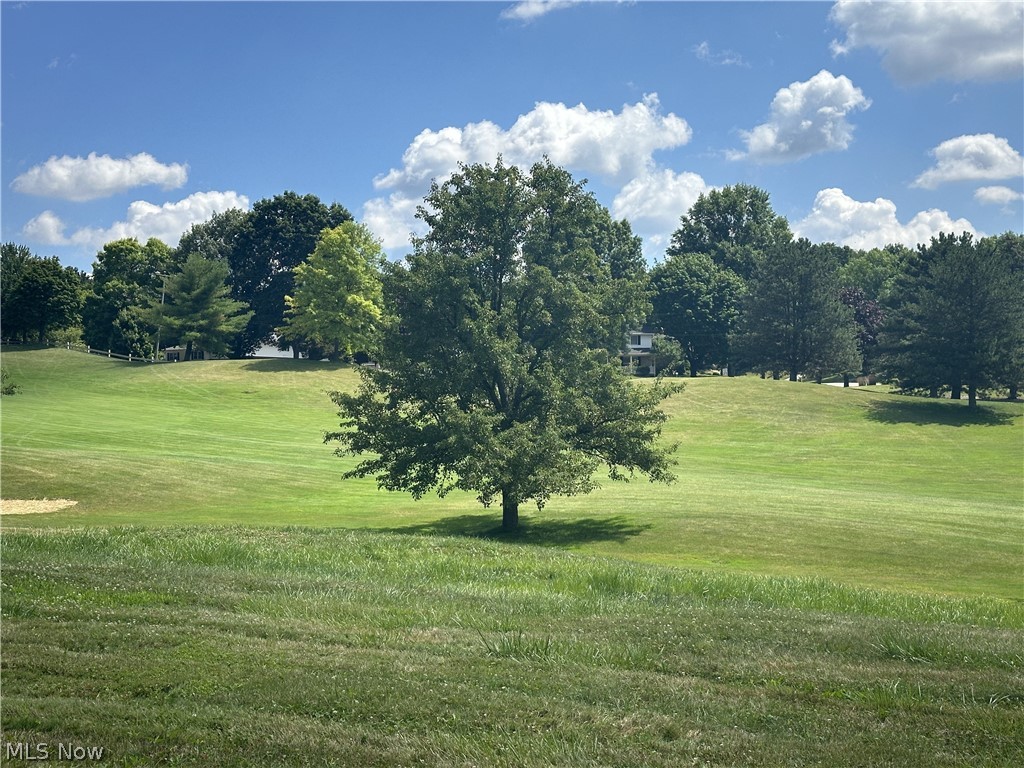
{"x":634,"y":340}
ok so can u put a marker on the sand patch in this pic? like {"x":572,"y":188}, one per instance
{"x":33,"y":506}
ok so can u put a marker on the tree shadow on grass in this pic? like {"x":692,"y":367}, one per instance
{"x":291,"y":365}
{"x":945,"y":413}
{"x":539,"y":532}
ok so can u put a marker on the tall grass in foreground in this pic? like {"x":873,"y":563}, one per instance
{"x":224,"y":647}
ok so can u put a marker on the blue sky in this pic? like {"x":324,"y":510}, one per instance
{"x":867,"y":123}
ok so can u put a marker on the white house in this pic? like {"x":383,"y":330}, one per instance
{"x":639,"y":354}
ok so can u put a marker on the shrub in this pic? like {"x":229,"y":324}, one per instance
{"x":7,"y":387}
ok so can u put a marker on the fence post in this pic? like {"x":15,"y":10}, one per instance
{"x":108,"y":353}
{"x":129,"y":357}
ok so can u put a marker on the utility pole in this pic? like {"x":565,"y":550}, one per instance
{"x":163,"y":288}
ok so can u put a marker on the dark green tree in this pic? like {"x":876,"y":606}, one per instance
{"x":668,"y":355}
{"x":793,"y":319}
{"x":125,"y":276}
{"x":1011,"y":248}
{"x":276,"y":236}
{"x":732,"y":225}
{"x":499,"y":361}
{"x":39,"y":295}
{"x":956,"y":318}
{"x":216,"y":238}
{"x":14,"y":259}
{"x":196,"y":308}
{"x":696,"y":302}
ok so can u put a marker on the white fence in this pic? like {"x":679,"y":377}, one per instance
{"x":107,"y":353}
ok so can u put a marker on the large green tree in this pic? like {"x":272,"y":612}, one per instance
{"x":196,"y":309}
{"x":39,"y":295}
{"x":338,"y":295}
{"x":14,"y":258}
{"x":732,"y":225}
{"x":793,"y":318}
{"x":499,"y":362}
{"x":214,"y":238}
{"x":696,"y":301}
{"x":955,"y":318}
{"x":1010,"y":246}
{"x":125,"y":276}
{"x":276,"y":236}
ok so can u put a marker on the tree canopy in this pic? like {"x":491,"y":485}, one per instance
{"x":197,"y":310}
{"x":732,"y":225}
{"x":499,"y":369}
{"x":793,"y":317}
{"x":276,"y":236}
{"x":956,"y":316}
{"x":696,"y":302}
{"x":126,"y":275}
{"x":38,"y":294}
{"x":338,"y":293}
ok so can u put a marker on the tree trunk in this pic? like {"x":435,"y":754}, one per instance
{"x":955,"y":391}
{"x":792,"y":375}
{"x":846,"y":379}
{"x":1013,"y":392}
{"x":509,"y":512}
{"x":972,"y":395}
{"x":188,"y":351}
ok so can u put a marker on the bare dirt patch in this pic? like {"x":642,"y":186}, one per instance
{"x":33,"y":506}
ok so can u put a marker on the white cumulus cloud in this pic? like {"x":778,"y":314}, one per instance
{"x":654,"y":202}
{"x":806,"y":118}
{"x":143,"y":220}
{"x":997,"y":195}
{"x":393,"y":219}
{"x":46,"y":229}
{"x":95,"y":176}
{"x":927,"y":40}
{"x":978,"y":157}
{"x":838,"y":218}
{"x":618,"y":147}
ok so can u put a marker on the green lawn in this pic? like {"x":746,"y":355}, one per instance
{"x":856,"y":486}
{"x":246,"y":646}
{"x":835,"y":579}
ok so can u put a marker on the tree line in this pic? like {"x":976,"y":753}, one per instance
{"x":735,"y":290}
{"x":739,"y":291}
{"x":233,"y":283}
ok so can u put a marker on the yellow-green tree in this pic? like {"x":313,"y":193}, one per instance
{"x":337,"y":300}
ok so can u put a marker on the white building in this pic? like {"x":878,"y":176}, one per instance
{"x":639,"y":354}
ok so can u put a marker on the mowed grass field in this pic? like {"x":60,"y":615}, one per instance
{"x":837,"y":578}
{"x":857,"y":486}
